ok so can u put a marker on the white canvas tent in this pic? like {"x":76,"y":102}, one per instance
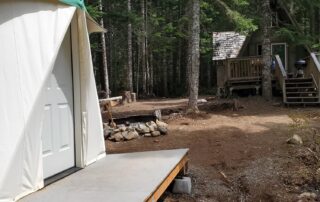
{"x":47,"y":90}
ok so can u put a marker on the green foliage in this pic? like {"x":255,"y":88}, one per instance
{"x":242,"y":24}
{"x":305,"y":29}
{"x":94,"y":11}
{"x":167,"y":30}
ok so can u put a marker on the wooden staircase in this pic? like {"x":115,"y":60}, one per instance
{"x":300,"y":91}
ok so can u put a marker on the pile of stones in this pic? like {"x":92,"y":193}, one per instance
{"x":131,"y":131}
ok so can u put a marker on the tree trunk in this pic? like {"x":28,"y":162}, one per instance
{"x":148,"y":76}
{"x":151,"y":74}
{"x":266,"y":50}
{"x":165,"y":75}
{"x":208,"y":74}
{"x":143,"y":48}
{"x":193,"y":56}
{"x":178,"y":66}
{"x":171,"y":81}
{"x":138,"y":72}
{"x":178,"y":63}
{"x":318,"y":26}
{"x":104,"y":55}
{"x":129,"y":67}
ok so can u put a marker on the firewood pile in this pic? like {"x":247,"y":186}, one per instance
{"x":130,"y":131}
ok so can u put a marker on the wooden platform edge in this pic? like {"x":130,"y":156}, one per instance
{"x":183,"y":164}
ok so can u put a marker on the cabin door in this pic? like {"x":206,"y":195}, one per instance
{"x":58,"y":129}
{"x":281,"y":50}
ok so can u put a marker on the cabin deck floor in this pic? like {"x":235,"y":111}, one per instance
{"x":133,"y":177}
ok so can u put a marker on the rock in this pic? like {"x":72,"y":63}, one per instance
{"x":296,"y":140}
{"x":147,"y":135}
{"x":122,"y":128}
{"x":142,"y":128}
{"x":163,"y":130}
{"x":157,"y":114}
{"x":152,"y":126}
{"x":134,"y":125}
{"x":117,"y":137}
{"x":107,"y":132}
{"x":161,"y":124}
{"x":182,"y":186}
{"x":155,"y":133}
{"x":202,"y":101}
{"x":317,"y":175}
{"x":308,"y":195}
{"x":130,"y":135}
{"x":105,"y":125}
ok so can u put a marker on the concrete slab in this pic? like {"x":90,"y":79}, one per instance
{"x":117,"y":178}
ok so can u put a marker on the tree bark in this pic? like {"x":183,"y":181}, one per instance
{"x":165,"y":75}
{"x":208,"y":74}
{"x":193,"y":56}
{"x":171,"y":79}
{"x":138,"y":72}
{"x":143,"y":48}
{"x":151,"y":74}
{"x":148,"y":81}
{"x":104,"y":56}
{"x":266,"y":50}
{"x":129,"y":67}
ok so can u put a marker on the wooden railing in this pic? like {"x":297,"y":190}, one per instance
{"x":238,"y":69}
{"x":244,"y":68}
{"x":281,"y":75}
{"x":313,"y":69}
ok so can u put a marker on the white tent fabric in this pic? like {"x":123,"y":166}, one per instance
{"x":31,"y":32}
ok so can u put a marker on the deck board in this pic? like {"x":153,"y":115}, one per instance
{"x":118,"y":177}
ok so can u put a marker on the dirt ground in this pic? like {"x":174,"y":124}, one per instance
{"x":238,"y":155}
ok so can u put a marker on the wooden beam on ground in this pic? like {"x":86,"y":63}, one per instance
{"x":112,"y":99}
{"x":180,"y":167}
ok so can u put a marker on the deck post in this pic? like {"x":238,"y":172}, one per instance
{"x":228,"y":69}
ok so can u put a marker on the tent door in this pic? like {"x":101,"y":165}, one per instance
{"x":58,"y":129}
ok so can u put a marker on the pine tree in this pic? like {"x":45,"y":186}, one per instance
{"x":266,"y":50}
{"x":194,"y":56}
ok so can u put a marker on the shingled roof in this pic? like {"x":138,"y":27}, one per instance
{"x":227,"y":45}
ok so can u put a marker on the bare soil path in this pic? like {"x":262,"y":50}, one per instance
{"x":238,"y":155}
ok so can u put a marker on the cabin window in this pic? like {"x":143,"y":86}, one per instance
{"x":259,"y":50}
{"x":275,"y":19}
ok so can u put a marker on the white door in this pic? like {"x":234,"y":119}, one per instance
{"x":58,"y":129}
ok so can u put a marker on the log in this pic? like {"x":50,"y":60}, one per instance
{"x":112,"y":99}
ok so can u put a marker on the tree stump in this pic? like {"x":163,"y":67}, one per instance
{"x":126,"y":97}
{"x":134,"y":97}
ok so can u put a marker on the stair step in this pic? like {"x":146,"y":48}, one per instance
{"x":302,"y":102}
{"x":302,"y":97}
{"x":309,"y":92}
{"x":299,"y":79}
{"x":299,"y":83}
{"x":299,"y":87}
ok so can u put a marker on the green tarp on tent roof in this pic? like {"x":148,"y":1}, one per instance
{"x":77,"y":3}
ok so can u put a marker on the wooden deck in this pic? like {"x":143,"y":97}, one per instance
{"x":239,"y":73}
{"x":134,"y":177}
{"x":246,"y":73}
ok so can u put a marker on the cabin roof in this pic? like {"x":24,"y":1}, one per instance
{"x":227,"y":44}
